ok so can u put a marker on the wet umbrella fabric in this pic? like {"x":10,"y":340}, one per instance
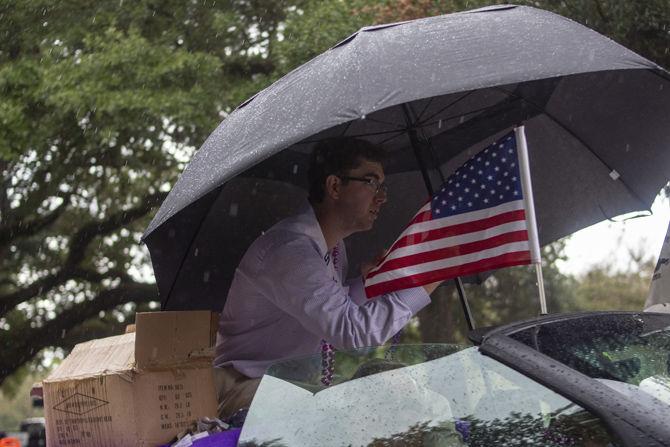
{"x":430,"y":91}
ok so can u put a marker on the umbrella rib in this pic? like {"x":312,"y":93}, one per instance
{"x":372,"y":134}
{"x":397,"y":126}
{"x":386,"y":140}
{"x":346,"y":128}
{"x":578,"y":138}
{"x":431,"y":149}
{"x":472,"y":112}
{"x":454,"y":102}
{"x":430,"y":101}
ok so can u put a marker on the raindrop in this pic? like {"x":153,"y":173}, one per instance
{"x":205,"y":276}
{"x":362,"y":117}
{"x":233,"y":209}
{"x":295,"y":169}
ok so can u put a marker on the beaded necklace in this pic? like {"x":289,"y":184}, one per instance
{"x":327,"y":350}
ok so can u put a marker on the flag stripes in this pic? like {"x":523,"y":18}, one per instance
{"x":476,"y":222}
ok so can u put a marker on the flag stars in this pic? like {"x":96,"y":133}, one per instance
{"x":488,"y":179}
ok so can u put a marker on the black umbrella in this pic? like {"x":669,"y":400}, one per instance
{"x":431,"y":92}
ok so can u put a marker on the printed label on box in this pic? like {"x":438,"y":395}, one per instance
{"x":174,"y":405}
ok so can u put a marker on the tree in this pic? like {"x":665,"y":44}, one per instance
{"x":102,"y":105}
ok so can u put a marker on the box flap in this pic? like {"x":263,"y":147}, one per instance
{"x":165,"y":338}
{"x":95,"y":357}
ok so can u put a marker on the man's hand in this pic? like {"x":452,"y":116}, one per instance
{"x":430,"y":288}
{"x":366,"y":266}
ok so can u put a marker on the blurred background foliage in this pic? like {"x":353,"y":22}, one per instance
{"x":103,"y":103}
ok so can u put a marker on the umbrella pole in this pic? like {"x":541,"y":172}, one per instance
{"x":414,"y":140}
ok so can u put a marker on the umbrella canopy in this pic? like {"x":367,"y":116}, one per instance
{"x":432,"y":92}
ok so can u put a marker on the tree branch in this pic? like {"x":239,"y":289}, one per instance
{"x":79,"y":244}
{"x":34,"y":226}
{"x":26,"y":342}
{"x":83,"y":237}
{"x":9,"y":301}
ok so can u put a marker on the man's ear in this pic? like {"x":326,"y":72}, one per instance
{"x":333,"y":184}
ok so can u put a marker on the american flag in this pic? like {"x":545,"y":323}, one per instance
{"x":475,"y":222}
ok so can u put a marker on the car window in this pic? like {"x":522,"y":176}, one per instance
{"x":423,"y":395}
{"x":628,"y":352}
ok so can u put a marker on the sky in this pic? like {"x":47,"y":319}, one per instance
{"x":611,"y":241}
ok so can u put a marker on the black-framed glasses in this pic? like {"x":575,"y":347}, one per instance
{"x":370,"y":181}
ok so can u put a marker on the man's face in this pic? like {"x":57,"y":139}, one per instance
{"x":359,"y":202}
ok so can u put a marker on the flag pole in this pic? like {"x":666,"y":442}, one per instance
{"x":524,"y":168}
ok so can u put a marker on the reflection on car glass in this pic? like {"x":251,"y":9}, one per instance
{"x":426,"y":395}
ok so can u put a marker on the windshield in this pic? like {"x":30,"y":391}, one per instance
{"x":628,"y":352}
{"x":433,"y":395}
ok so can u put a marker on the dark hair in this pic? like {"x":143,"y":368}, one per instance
{"x":338,"y":156}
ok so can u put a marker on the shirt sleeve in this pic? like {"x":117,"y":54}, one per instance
{"x":303,"y":286}
{"x":357,"y":290}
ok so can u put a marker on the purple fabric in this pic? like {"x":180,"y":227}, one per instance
{"x":226,"y":438}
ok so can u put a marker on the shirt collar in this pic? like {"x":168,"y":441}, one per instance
{"x":308,"y":225}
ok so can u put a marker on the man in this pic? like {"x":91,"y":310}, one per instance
{"x":289,"y":298}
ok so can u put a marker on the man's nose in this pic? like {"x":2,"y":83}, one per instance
{"x":381,"y":197}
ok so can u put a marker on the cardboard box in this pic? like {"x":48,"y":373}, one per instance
{"x":169,"y":338}
{"x":97,"y":396}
